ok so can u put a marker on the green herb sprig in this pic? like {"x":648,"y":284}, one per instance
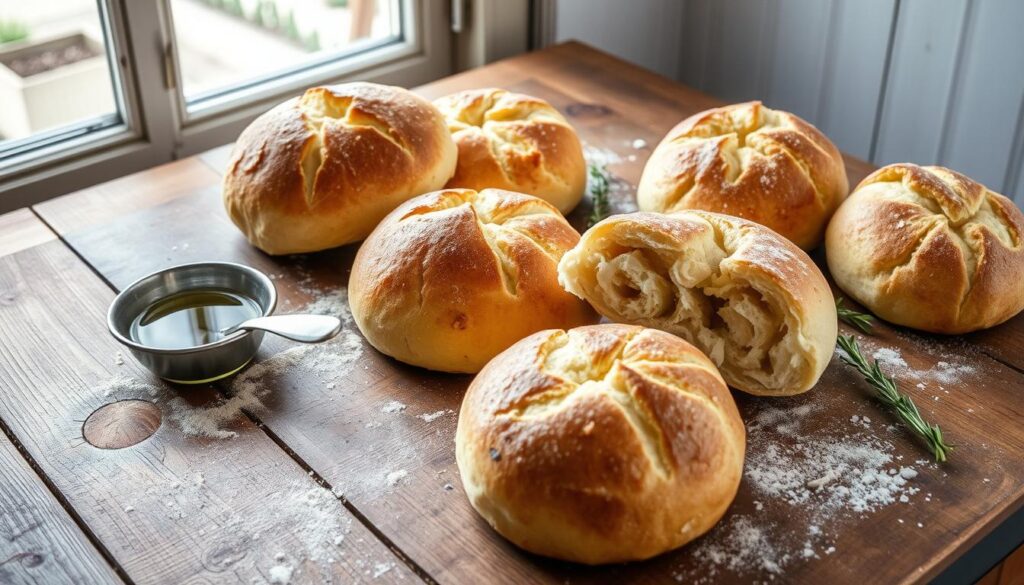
{"x":886,"y":390}
{"x":862,"y":321}
{"x":598,"y":185}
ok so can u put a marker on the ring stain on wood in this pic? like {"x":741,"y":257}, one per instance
{"x":121,"y":424}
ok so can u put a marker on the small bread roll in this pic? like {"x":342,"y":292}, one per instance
{"x":750,"y":161}
{"x":746,"y":296}
{"x":515,"y":142}
{"x":450,"y":279}
{"x":603,"y":444}
{"x":929,"y":248}
{"x":320,"y":170}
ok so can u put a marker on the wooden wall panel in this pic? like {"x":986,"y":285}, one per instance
{"x":921,"y":74}
{"x":645,"y":32}
{"x":984,"y":117}
{"x":824,"y":61}
{"x":925,"y":81}
{"x":857,"y":44}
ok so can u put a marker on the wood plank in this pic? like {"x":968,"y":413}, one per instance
{"x":97,"y":204}
{"x":410,"y":514}
{"x":174,"y":507}
{"x":39,"y":541}
{"x":217,"y":158}
{"x":349,"y":439}
{"x":20,"y":229}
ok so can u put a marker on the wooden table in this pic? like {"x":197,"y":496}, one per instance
{"x":331,"y":480}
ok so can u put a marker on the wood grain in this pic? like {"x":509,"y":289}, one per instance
{"x":98,"y":204}
{"x":39,"y":542}
{"x":173,"y":508}
{"x":20,"y":229}
{"x":396,"y":467}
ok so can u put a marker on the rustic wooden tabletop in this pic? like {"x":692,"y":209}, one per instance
{"x":337,"y":464}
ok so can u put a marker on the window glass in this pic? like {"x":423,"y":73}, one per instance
{"x":54,"y":70}
{"x":224,"y":44}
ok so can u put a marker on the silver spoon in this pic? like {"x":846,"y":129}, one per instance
{"x":302,"y":328}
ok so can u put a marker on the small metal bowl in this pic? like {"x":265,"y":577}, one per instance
{"x":202,"y":363}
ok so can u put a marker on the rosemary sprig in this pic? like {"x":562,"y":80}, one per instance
{"x":862,"y":321}
{"x":886,"y":390}
{"x":598,"y":186}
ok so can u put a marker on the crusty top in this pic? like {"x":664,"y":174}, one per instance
{"x":929,"y":248}
{"x":600,"y":444}
{"x":750,"y":161}
{"x":341,"y":156}
{"x":516,"y":142}
{"x":450,"y":278}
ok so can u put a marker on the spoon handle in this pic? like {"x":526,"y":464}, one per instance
{"x":302,"y":328}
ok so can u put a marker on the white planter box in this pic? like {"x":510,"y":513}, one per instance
{"x":60,"y":96}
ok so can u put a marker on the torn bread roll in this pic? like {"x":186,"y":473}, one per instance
{"x":601,"y":444}
{"x":929,"y":248}
{"x":750,"y":161}
{"x":746,"y":296}
{"x":516,"y":142}
{"x":320,"y":170}
{"x":450,"y":279}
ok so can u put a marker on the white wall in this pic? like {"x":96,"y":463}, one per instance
{"x":926,"y":81}
{"x":645,"y":32}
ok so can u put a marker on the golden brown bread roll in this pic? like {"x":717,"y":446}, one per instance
{"x":929,"y":248}
{"x":322,"y":169}
{"x":515,"y":142}
{"x":750,"y":161}
{"x":450,"y":279}
{"x":603,"y":444}
{"x":746,"y":296}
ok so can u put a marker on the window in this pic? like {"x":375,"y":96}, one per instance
{"x":95,"y":89}
{"x":57,"y":83}
{"x":231,"y":45}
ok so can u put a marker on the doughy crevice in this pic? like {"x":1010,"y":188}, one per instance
{"x":702,"y":294}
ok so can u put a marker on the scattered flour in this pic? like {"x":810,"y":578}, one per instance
{"x":392,"y":407}
{"x":327,"y":361}
{"x":381,"y":569}
{"x":948,"y":370}
{"x":395,"y":477}
{"x":889,"y":357}
{"x":601,"y":157}
{"x":432,"y":416}
{"x":743,"y":546}
{"x":281,"y":574}
{"x":827,"y":477}
{"x":832,"y":474}
{"x":121,"y":386}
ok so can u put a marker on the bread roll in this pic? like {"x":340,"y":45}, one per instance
{"x":603,"y":444}
{"x":929,"y":248}
{"x":450,"y":279}
{"x":746,"y":296}
{"x":515,"y":142}
{"x":321,"y":170}
{"x":750,"y":161}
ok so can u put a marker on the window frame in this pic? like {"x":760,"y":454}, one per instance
{"x":157,"y":126}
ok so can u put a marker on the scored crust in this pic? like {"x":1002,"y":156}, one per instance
{"x":606,"y":443}
{"x":929,"y":248}
{"x":749,"y":298}
{"x":750,"y":161}
{"x":322,"y":169}
{"x":515,"y":142}
{"x":450,"y":279}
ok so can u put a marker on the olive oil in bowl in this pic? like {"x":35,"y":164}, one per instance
{"x":192,"y":318}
